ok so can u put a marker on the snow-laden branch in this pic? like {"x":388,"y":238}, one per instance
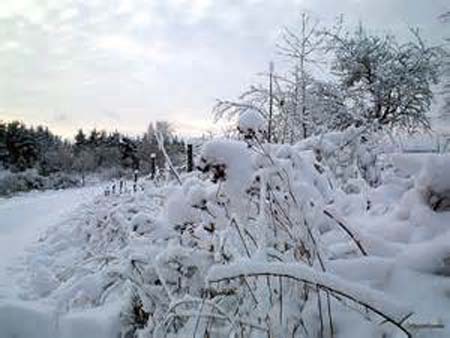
{"x":160,"y":140}
{"x":373,"y":300}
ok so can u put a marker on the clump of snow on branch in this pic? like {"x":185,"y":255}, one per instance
{"x":251,"y":123}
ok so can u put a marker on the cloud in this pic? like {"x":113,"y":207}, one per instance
{"x":68,"y":14}
{"x":193,"y":10}
{"x":112,"y":115}
{"x":130,"y":47}
{"x":10,"y":46}
{"x":133,"y":61}
{"x":35,"y":12}
{"x":61,"y":117}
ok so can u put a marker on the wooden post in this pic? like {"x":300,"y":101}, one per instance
{"x":190,"y":158}
{"x":153,"y":165}
{"x":135,"y":179}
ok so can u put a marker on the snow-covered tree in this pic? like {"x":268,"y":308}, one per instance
{"x":446,"y":85}
{"x":292,"y":96}
{"x":257,"y":98}
{"x":380,"y":81}
{"x":327,"y":101}
{"x":292,"y":118}
{"x":391,"y":80}
{"x":302,"y":45}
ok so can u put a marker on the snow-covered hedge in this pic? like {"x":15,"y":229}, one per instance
{"x":31,"y":180}
{"x":263,"y":240}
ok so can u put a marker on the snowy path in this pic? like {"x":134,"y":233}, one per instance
{"x":23,"y":218}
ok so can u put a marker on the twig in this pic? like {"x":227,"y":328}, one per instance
{"x":281,"y":300}
{"x":233,"y":221}
{"x":330,"y":315}
{"x":319,"y":305}
{"x":198,"y":317}
{"x":347,"y":231}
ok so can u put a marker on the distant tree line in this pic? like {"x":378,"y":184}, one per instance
{"x":23,"y":147}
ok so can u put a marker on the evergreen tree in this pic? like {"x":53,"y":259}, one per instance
{"x":22,"y":147}
{"x":93,"y":140}
{"x":80,"y":141}
{"x":4,"y":154}
{"x":128,"y":150}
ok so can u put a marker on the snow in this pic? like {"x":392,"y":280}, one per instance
{"x":101,"y":322}
{"x":251,"y":121}
{"x":76,"y":263}
{"x":235,"y":156}
{"x":23,"y":220}
{"x":21,"y":319}
{"x":435,"y":174}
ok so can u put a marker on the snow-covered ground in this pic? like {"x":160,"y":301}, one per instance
{"x":23,"y":219}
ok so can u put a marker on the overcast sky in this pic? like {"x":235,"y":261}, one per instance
{"x":118,"y":64}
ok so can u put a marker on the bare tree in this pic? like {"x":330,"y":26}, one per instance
{"x":84,"y":163}
{"x":301,"y":45}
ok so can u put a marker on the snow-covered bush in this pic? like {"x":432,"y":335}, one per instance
{"x":110,"y":256}
{"x":31,"y":180}
{"x":263,"y":240}
{"x":434,"y":183}
{"x":350,"y":155}
{"x":259,"y":223}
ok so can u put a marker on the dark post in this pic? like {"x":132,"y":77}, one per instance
{"x":153,"y":166}
{"x":135,"y":178}
{"x":190,"y":158}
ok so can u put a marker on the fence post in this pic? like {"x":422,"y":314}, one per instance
{"x":190,"y":158}
{"x":153,"y":165}
{"x":135,"y":179}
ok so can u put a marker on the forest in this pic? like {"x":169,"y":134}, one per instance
{"x":35,"y":158}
